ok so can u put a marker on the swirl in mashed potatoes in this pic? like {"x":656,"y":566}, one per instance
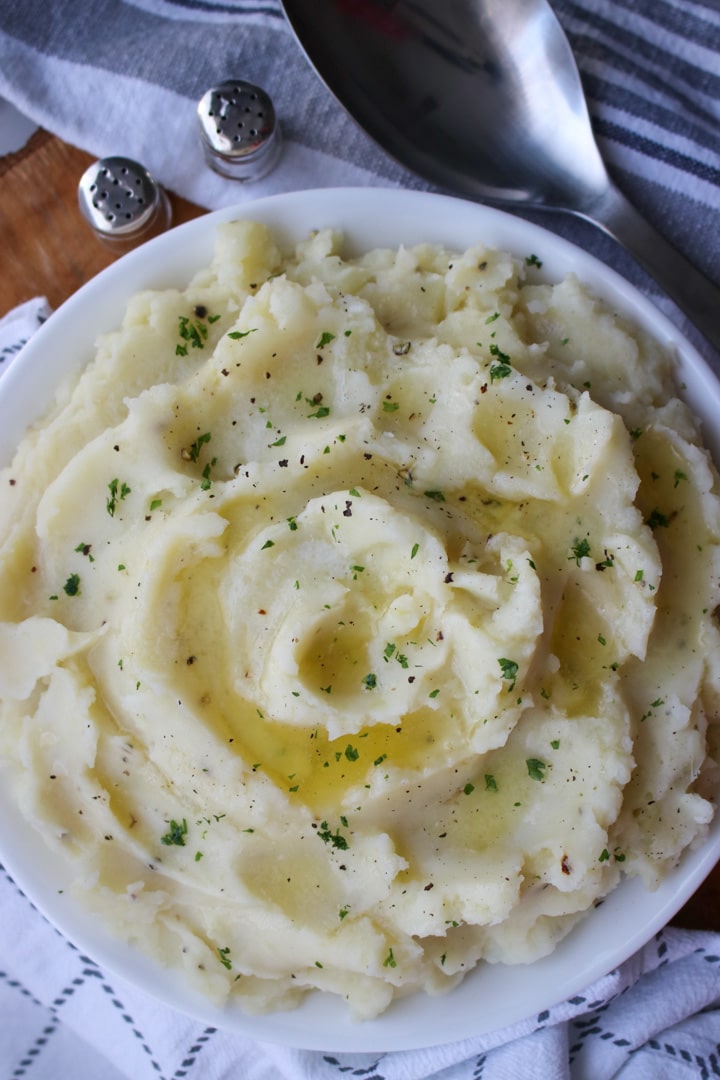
{"x":357,"y":619}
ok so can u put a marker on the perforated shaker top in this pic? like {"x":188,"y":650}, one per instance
{"x":121,"y":200}
{"x":239,"y":130}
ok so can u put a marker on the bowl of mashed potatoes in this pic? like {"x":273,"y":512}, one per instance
{"x":359,"y":667}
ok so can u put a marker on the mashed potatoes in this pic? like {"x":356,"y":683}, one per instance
{"x":357,"y":619}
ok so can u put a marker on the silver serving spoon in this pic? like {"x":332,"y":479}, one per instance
{"x":483,"y":98}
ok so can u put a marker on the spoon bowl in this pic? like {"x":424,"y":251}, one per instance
{"x":484,"y":99}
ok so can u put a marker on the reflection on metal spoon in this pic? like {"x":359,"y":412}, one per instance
{"x":483,"y":98}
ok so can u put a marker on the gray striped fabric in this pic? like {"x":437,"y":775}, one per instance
{"x":123,"y":76}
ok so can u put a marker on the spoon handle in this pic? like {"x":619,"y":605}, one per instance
{"x":695,"y":294}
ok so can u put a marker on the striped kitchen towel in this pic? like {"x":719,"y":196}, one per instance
{"x":124,"y":77}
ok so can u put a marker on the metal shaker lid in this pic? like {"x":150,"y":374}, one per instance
{"x":239,"y":130}
{"x":122,"y":202}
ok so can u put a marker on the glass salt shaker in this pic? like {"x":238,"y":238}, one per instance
{"x":123,"y":203}
{"x":239,"y":131}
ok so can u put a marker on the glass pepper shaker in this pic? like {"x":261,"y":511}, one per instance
{"x":123,"y":203}
{"x":239,"y":131}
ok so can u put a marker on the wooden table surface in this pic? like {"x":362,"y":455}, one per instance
{"x":46,"y":249}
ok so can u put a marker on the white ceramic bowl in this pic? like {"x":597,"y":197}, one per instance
{"x":491,"y":996}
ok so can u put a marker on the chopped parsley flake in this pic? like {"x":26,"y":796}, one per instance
{"x":502,"y":368}
{"x":499,"y":371}
{"x":335,"y":838}
{"x":176,"y":833}
{"x":72,"y":585}
{"x":536,"y":768}
{"x":369,"y":681}
{"x":194,"y":451}
{"x":499,"y":355}
{"x":657,"y":520}
{"x":490,"y":782}
{"x":225,"y":960}
{"x":390,"y":651}
{"x":117,"y":491}
{"x":325,"y":338}
{"x":390,"y":960}
{"x":580,"y":550}
{"x":193,"y":332}
{"x":509,"y":669}
{"x":206,"y":482}
{"x":237,"y":334}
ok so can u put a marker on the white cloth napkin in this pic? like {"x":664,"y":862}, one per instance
{"x":123,"y":77}
{"x":657,"y":1017}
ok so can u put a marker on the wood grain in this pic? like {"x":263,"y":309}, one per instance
{"x":47,"y":249}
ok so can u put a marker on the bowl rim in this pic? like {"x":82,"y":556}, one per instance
{"x":491,"y":997}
